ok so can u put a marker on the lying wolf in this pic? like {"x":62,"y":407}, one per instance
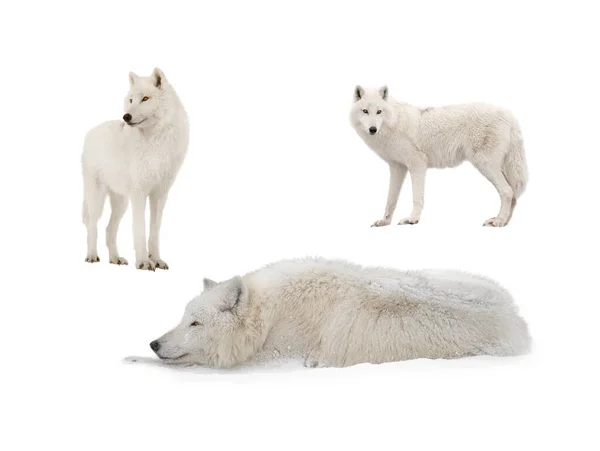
{"x":412,"y":139}
{"x":334,"y":313}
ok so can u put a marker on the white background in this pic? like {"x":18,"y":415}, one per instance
{"x":274,"y":170}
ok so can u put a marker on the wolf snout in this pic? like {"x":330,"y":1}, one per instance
{"x":372,"y":130}
{"x":155,"y":346}
{"x":127,"y":118}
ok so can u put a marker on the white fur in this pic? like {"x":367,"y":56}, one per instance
{"x":412,"y":139}
{"x":135,"y":162}
{"x":334,"y":313}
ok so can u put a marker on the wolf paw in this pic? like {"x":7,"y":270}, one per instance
{"x":118,"y":261}
{"x":313,"y":362}
{"x":160,"y":264}
{"x":381,"y":223}
{"x":495,"y":222}
{"x":92,"y":258}
{"x":147,"y":265}
{"x":408,"y":221}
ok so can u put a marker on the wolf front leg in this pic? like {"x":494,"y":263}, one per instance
{"x":417,"y":176}
{"x":138,"y":209}
{"x":397,"y":176}
{"x":157,"y":205}
{"x":315,"y":359}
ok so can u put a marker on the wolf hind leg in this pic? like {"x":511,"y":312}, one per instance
{"x":118,"y":205}
{"x":94,"y":197}
{"x":493,"y":172}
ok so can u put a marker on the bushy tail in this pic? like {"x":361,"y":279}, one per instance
{"x":515,"y":166}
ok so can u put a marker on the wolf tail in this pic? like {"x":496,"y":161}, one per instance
{"x":515,"y":166}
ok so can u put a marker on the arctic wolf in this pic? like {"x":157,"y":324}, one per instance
{"x":413,"y":139}
{"x":335,"y":313}
{"x":135,"y":159}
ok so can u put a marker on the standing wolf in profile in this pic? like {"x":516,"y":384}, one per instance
{"x":414,"y":139}
{"x":335,"y":313}
{"x":135,"y":159}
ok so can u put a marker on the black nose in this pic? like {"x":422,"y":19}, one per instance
{"x":127,"y":117}
{"x":372,"y":130}
{"x":155,"y":345}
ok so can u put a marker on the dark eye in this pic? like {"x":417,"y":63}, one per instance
{"x":145,"y":98}
{"x":378,"y":111}
{"x":195,"y":323}
{"x":366,"y":111}
{"x":130,"y":100}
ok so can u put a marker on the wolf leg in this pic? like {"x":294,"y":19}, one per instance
{"x":397,"y":176}
{"x":417,"y":177}
{"x":494,"y":174}
{"x":95,"y":195}
{"x":138,"y":209}
{"x":157,"y":205}
{"x":313,"y":360}
{"x":118,"y":205}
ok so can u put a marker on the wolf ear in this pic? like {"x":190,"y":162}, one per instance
{"x":359,"y":92}
{"x":383,"y":92}
{"x":236,"y":294}
{"x":208,"y":284}
{"x":132,"y":78}
{"x":158,"y":77}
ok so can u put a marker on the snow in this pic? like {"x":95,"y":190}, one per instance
{"x":275,"y":171}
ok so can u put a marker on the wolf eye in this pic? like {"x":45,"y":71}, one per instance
{"x":145,"y":98}
{"x":378,"y":111}
{"x":195,"y":323}
{"x":366,"y":111}
{"x":130,"y":100}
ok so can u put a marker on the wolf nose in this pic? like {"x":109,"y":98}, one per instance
{"x":155,"y":346}
{"x":127,"y":117}
{"x":372,"y":130}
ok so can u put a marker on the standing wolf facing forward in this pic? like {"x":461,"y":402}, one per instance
{"x":136,"y":158}
{"x":413,"y":139}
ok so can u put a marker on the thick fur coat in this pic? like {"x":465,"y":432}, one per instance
{"x":135,"y":159}
{"x":412,"y":139}
{"x":334,"y":313}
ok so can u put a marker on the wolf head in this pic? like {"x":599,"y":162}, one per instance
{"x":147,"y":102}
{"x":215,"y":329}
{"x":371,"y":110}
